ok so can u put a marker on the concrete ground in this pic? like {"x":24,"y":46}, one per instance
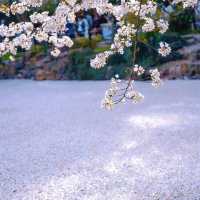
{"x":57,"y":144}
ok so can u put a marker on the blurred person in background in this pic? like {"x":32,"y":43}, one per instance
{"x":97,"y":21}
{"x":71,"y":30}
{"x":89,"y":19}
{"x":82,"y":26}
{"x":197,"y":15}
{"x":168,"y":7}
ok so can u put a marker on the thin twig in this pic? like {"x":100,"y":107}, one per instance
{"x":134,"y":55}
{"x":148,"y":45}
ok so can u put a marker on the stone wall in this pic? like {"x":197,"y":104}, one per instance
{"x":38,"y":68}
{"x":189,"y":66}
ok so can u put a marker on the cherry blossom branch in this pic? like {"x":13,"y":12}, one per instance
{"x":134,"y":56}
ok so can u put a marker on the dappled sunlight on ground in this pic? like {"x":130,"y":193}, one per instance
{"x":155,"y":121}
{"x":56,"y":143}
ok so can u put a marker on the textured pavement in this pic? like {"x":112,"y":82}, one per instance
{"x":57,"y":144}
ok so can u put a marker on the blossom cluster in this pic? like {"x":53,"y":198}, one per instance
{"x":186,"y":3}
{"x":42,"y":27}
{"x":139,"y":70}
{"x":122,"y":91}
{"x":164,"y":49}
{"x":100,"y":60}
{"x":155,"y":76}
{"x":115,"y":94}
{"x":24,"y":5}
{"x":123,"y":37}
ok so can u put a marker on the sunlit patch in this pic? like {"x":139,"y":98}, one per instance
{"x":112,"y":167}
{"x":129,"y":145}
{"x":136,"y":162}
{"x":154,"y":121}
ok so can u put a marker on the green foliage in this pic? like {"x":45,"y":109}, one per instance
{"x":49,"y":6}
{"x":82,"y":42}
{"x":80,"y":66}
{"x":39,"y":49}
{"x":181,"y":21}
{"x":101,"y":49}
{"x":80,"y":69}
{"x":148,"y":57}
{"x":7,"y":57}
{"x":95,"y":40}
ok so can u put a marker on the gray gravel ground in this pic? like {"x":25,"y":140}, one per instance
{"x":57,"y":144}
